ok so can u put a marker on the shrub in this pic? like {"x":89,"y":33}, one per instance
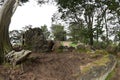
{"x":100,"y":45}
{"x":112,"y":49}
{"x":83,"y":48}
{"x":101,"y":52}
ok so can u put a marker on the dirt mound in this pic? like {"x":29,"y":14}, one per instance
{"x":62,"y":66}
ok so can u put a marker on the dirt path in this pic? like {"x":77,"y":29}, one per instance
{"x":48,"y":67}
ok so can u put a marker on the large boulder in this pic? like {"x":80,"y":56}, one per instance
{"x":35,"y":40}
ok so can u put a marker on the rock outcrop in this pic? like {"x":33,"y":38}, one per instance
{"x":97,"y":70}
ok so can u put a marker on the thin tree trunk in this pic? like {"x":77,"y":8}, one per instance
{"x":106,"y":26}
{"x":97,"y":35}
{"x":90,"y":29}
{"x":6,"y":13}
{"x":91,"y":36}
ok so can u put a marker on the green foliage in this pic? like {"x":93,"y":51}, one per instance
{"x":45,"y":31}
{"x":101,"y":52}
{"x":83,"y":48}
{"x":100,"y":45}
{"x":111,"y":74}
{"x":96,"y":11}
{"x":35,"y":40}
{"x":78,"y":33}
{"x":112,"y":49}
{"x":73,"y":45}
{"x":58,"y":32}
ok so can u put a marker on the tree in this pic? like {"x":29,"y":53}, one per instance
{"x":58,"y":32}
{"x":6,"y":12}
{"x":87,"y":10}
{"x":45,"y":31}
{"x":7,"y":9}
{"x":78,"y":33}
{"x":72,"y":10}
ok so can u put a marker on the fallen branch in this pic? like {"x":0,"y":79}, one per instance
{"x":17,"y":57}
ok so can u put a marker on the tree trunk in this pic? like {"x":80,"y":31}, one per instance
{"x":6,"y":13}
{"x":91,"y":36}
{"x":106,"y":27}
{"x":90,"y":24}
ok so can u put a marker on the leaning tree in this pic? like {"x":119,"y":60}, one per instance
{"x":7,"y":9}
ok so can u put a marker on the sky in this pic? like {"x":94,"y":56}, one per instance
{"x":32,"y":14}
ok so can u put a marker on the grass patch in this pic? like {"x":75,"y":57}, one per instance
{"x":100,"y":62}
{"x":111,"y":74}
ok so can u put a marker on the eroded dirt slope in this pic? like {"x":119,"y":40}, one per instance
{"x":61,"y":66}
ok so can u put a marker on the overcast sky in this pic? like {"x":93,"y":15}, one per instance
{"x":32,"y":14}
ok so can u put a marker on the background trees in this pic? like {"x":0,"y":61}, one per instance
{"x":78,"y":33}
{"x":58,"y":32}
{"x":98,"y":17}
{"x":46,"y":32}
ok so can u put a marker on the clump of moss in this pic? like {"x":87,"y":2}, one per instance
{"x":101,"y":52}
{"x":102,"y":61}
{"x":83,"y":48}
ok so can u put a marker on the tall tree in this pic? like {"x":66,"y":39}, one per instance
{"x":7,"y":9}
{"x":75,"y":10}
{"x":45,"y":31}
{"x":78,"y":33}
{"x":87,"y":10}
{"x":58,"y":32}
{"x":6,"y":12}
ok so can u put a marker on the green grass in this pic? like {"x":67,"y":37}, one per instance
{"x":73,"y":45}
{"x":101,"y":62}
{"x":110,"y":75}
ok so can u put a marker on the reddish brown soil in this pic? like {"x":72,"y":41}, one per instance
{"x":61,"y":66}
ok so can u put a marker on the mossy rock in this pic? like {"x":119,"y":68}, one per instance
{"x":100,"y":62}
{"x":98,"y":69}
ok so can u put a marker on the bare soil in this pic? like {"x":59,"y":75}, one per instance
{"x":47,"y":66}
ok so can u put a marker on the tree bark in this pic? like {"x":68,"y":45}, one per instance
{"x":90,"y":25}
{"x":106,"y":27}
{"x":6,"y":13}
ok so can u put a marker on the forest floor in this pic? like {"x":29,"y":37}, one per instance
{"x":50,"y":66}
